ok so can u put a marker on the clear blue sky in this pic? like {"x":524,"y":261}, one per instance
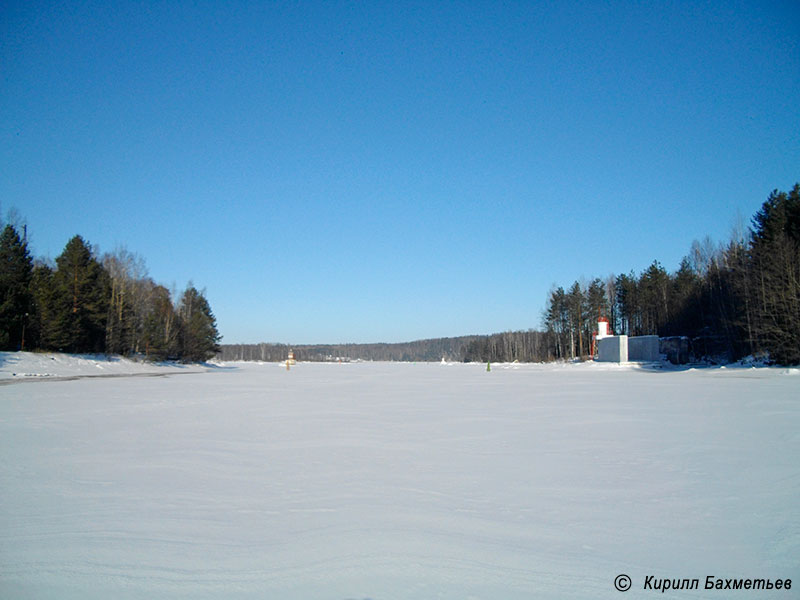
{"x":389,"y":171}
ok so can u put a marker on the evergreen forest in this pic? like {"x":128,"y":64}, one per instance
{"x":88,"y":304}
{"x":737,"y":299}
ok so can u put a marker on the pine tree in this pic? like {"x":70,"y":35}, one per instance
{"x":628,"y":304}
{"x":596,"y":306}
{"x":557,"y":321}
{"x":654,"y":296}
{"x":16,"y":300}
{"x":684,"y":293}
{"x":576,"y":305}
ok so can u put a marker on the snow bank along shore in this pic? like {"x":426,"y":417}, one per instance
{"x":19,"y":366}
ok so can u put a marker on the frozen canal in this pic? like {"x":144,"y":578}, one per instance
{"x":399,"y":481}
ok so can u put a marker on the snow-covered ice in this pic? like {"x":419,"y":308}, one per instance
{"x":398,"y":481}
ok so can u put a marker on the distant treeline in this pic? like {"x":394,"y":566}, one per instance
{"x":730,"y":300}
{"x":86,"y":303}
{"x":422,"y":350}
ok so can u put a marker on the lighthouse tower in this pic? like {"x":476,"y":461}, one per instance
{"x":603,"y":331}
{"x":602,"y":328}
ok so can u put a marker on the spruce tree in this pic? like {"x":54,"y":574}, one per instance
{"x":42,"y":322}
{"x":775,"y":275}
{"x":16,"y":300}
{"x":80,"y":301}
{"x":199,"y":335}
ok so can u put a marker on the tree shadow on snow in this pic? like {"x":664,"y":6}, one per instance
{"x":8,"y":358}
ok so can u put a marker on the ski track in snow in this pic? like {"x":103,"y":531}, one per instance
{"x":396,"y":481}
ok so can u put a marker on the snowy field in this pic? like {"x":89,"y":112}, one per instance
{"x":396,"y":481}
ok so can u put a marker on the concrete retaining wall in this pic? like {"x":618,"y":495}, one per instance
{"x":643,"y":348}
{"x":613,"y":349}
